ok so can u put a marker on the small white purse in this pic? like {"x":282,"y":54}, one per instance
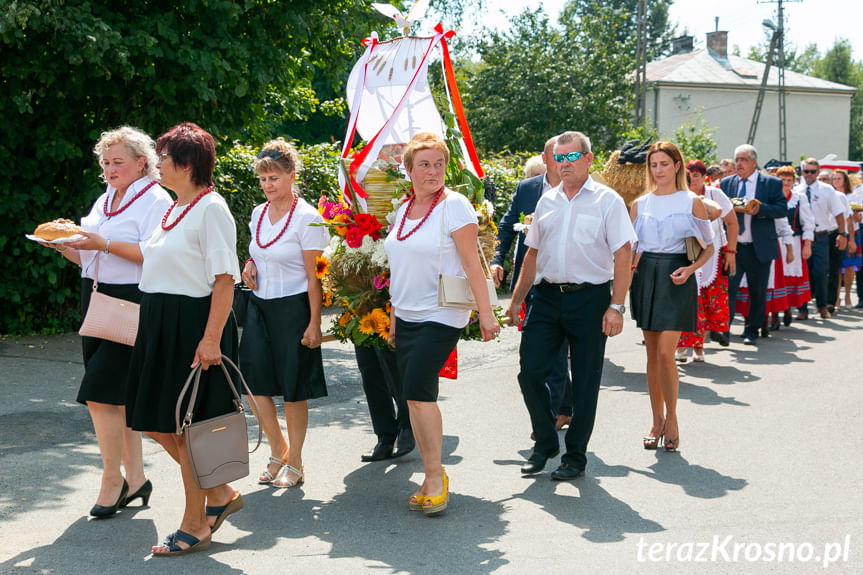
{"x":454,"y":291}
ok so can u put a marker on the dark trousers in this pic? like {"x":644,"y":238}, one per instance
{"x":819,"y":263}
{"x":560,"y":384}
{"x":387,"y":408}
{"x":554,"y":318}
{"x":757,"y":278}
{"x":833,"y":273}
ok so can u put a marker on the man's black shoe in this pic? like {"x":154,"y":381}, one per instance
{"x":405,"y":442}
{"x":566,"y":472}
{"x":383,"y":450}
{"x":719,"y":337}
{"x":748,"y":340}
{"x":536,"y":462}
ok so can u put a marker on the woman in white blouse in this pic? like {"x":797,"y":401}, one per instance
{"x":434,"y":233}
{"x":664,"y":296}
{"x":190,"y":267}
{"x":118,"y":225}
{"x":280,"y":353}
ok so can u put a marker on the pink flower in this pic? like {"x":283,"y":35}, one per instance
{"x":381,"y":281}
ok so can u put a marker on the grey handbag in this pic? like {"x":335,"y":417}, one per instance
{"x":217,"y":447}
{"x":454,"y":291}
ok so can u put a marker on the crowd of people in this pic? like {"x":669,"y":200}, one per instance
{"x":688,"y":254}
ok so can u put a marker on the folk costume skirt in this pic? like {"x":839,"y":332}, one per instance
{"x":422,"y":349}
{"x":272,"y":359}
{"x":105,"y":362}
{"x":170,"y":329}
{"x":657,"y":303}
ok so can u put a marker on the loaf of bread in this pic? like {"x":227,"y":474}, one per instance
{"x":56,"y":229}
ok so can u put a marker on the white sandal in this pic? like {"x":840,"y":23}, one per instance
{"x":266,"y":477}
{"x":681,"y":354}
{"x":288,"y":476}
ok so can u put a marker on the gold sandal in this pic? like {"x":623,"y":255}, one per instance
{"x":288,"y":476}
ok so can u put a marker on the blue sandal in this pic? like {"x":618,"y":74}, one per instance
{"x":221,"y":512}
{"x":194,"y":543}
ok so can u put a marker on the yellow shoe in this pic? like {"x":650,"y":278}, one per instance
{"x":416,"y":501}
{"x":437,"y":503}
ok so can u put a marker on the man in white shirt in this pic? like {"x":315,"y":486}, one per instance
{"x":524,"y":201}
{"x":580,"y":238}
{"x":829,"y":214}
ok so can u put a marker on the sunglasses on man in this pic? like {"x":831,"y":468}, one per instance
{"x":572,"y":157}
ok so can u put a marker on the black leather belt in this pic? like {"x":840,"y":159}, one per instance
{"x":821,"y":233}
{"x":564,"y":288}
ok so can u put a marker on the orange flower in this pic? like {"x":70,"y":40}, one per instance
{"x":345,"y":319}
{"x":367,"y":324}
{"x":341,"y":219}
{"x":322,"y":267}
{"x":327,"y":299}
{"x":381,"y":321}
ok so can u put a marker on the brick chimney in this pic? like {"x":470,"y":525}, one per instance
{"x":717,"y":44}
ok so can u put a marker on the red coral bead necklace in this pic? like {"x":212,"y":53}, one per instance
{"x":121,"y":209}
{"x":281,"y":233}
{"x":203,"y":193}
{"x":399,"y":235}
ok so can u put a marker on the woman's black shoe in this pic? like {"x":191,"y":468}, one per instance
{"x":143,"y":492}
{"x":100,"y":511}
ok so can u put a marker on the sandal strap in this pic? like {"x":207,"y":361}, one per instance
{"x":274,"y":459}
{"x":288,"y":481}
{"x":180,"y":535}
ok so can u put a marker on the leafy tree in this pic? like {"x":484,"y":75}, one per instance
{"x":73,"y":68}
{"x":837,"y":65}
{"x":695,"y":139}
{"x":537,"y":79}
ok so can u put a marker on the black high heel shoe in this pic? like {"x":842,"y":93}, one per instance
{"x":100,"y":511}
{"x":143,"y":492}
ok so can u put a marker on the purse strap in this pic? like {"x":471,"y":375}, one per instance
{"x":96,"y":273}
{"x":440,"y":246}
{"x":194,"y":380}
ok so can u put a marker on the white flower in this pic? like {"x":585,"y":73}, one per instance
{"x":379,"y":255}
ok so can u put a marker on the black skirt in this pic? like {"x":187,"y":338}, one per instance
{"x":273,"y":360}
{"x":105,"y":362}
{"x":170,"y":329}
{"x":657,"y":303}
{"x":422,"y":349}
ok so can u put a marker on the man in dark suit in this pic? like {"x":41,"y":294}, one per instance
{"x":757,"y":243}
{"x":527,"y":194}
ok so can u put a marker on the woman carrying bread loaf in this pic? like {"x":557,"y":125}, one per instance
{"x":120,"y":222}
{"x":280,"y":354}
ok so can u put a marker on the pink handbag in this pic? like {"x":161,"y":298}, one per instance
{"x":110,"y":318}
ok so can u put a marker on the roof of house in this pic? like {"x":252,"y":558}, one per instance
{"x":703,"y":68}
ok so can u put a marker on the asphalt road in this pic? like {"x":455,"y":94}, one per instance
{"x":767,"y":479}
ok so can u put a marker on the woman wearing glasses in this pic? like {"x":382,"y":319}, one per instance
{"x":664,"y":295}
{"x":190,"y":267}
{"x":280,"y":353}
{"x":117,"y":227}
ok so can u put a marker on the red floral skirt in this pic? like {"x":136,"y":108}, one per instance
{"x":712,"y":313}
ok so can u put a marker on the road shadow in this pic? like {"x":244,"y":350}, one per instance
{"x":602,"y":517}
{"x":119,"y":545}
{"x":695,"y":480}
{"x":370,"y":520}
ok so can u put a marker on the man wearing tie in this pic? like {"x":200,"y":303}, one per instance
{"x":757,"y":243}
{"x":829,"y":213}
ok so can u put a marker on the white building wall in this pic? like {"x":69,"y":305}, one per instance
{"x":817,"y":123}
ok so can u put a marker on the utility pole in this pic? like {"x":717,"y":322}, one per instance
{"x":778,"y":42}
{"x":641,"y":64}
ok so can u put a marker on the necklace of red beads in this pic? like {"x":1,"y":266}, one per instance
{"x":120,"y":210}
{"x":399,"y":235}
{"x":281,"y":233}
{"x":165,"y":227}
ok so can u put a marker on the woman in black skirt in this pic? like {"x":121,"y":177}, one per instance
{"x":281,"y":349}
{"x":435,"y":232}
{"x":190,"y":267}
{"x":664,"y":294}
{"x":119,"y":223}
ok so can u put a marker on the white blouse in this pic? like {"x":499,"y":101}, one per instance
{"x":414,"y":261}
{"x":135,"y":224}
{"x":281,"y":271}
{"x":186,"y":259}
{"x":663,"y":223}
